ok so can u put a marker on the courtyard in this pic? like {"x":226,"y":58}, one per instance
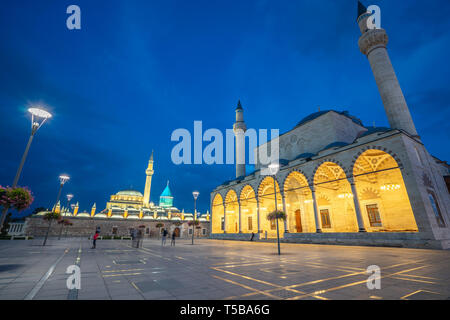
{"x":217,"y":269}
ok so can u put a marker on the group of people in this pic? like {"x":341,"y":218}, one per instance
{"x":137,"y":235}
{"x":165,"y":233}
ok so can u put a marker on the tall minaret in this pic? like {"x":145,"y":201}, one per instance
{"x":373,"y":43}
{"x":148,"y":181}
{"x":239,"y":129}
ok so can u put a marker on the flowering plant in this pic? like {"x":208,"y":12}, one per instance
{"x":18,"y":198}
{"x":51,"y":215}
{"x":195,"y":222}
{"x":276,"y":215}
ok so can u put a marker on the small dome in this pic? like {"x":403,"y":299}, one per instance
{"x":129,"y":193}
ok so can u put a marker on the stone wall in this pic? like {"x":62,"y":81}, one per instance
{"x":37,"y":226}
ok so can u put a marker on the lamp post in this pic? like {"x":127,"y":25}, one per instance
{"x":69,"y":197}
{"x":38,"y":118}
{"x":195,"y":194}
{"x":63,"y":178}
{"x":273,"y":168}
{"x":62,"y":221}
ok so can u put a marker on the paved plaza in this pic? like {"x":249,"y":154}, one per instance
{"x":214,"y":269}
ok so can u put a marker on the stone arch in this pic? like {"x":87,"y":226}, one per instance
{"x":374,"y":147}
{"x":325,"y":161}
{"x":338,"y":213}
{"x":249,"y":213}
{"x":217,"y":213}
{"x":266,"y":200}
{"x":388,"y":208}
{"x":299,"y":204}
{"x":231,"y":211}
{"x":290,"y":172}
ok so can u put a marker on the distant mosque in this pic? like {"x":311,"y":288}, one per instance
{"x":132,"y":204}
{"x":125,"y":211}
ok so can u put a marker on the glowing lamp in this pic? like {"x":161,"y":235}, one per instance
{"x":195,"y":194}
{"x":64,"y":178}
{"x":390,"y":187}
{"x":273,"y":168}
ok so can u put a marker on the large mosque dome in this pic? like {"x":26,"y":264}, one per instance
{"x":129,"y":193}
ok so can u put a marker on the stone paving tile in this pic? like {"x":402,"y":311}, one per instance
{"x":244,"y":270}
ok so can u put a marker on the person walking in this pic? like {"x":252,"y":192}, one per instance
{"x":173,"y":239}
{"x":164,"y":235}
{"x":253,"y":235}
{"x":94,"y":240}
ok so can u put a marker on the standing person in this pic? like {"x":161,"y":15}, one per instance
{"x":164,"y":235}
{"x":253,"y":235}
{"x":173,"y":239}
{"x":139,"y":238}
{"x":94,"y":240}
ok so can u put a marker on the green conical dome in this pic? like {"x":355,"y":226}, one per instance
{"x":166,"y":198}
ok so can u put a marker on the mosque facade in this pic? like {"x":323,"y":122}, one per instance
{"x":126,"y":210}
{"x":340,"y":182}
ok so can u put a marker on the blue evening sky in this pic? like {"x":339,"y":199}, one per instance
{"x":137,"y":70}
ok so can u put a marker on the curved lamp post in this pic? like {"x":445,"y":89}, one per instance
{"x":195,"y":194}
{"x":63,"y":178}
{"x":69,"y":197}
{"x":38,"y":118}
{"x":273,"y":168}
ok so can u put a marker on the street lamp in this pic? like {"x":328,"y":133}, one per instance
{"x":69,"y":197}
{"x":63,"y":178}
{"x":273,"y":168}
{"x":38,"y":117}
{"x":195,"y":194}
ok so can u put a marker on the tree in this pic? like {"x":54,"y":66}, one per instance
{"x":196,"y":223}
{"x":67,"y":223}
{"x":50,"y":216}
{"x":63,"y":222}
{"x":275,"y":216}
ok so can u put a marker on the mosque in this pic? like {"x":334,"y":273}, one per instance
{"x":125,"y":210}
{"x":341,"y":182}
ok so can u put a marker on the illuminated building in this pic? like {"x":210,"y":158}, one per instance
{"x":342,"y":182}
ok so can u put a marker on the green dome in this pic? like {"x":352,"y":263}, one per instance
{"x":166,"y":198}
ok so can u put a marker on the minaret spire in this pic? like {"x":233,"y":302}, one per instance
{"x":239,"y":129}
{"x":148,"y":181}
{"x":372,"y":43}
{"x":361,"y":9}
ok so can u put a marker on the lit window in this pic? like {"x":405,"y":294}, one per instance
{"x":222,"y":224}
{"x":250,"y":224}
{"x":325,"y":217}
{"x":374,"y":215}
{"x":437,"y":211}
